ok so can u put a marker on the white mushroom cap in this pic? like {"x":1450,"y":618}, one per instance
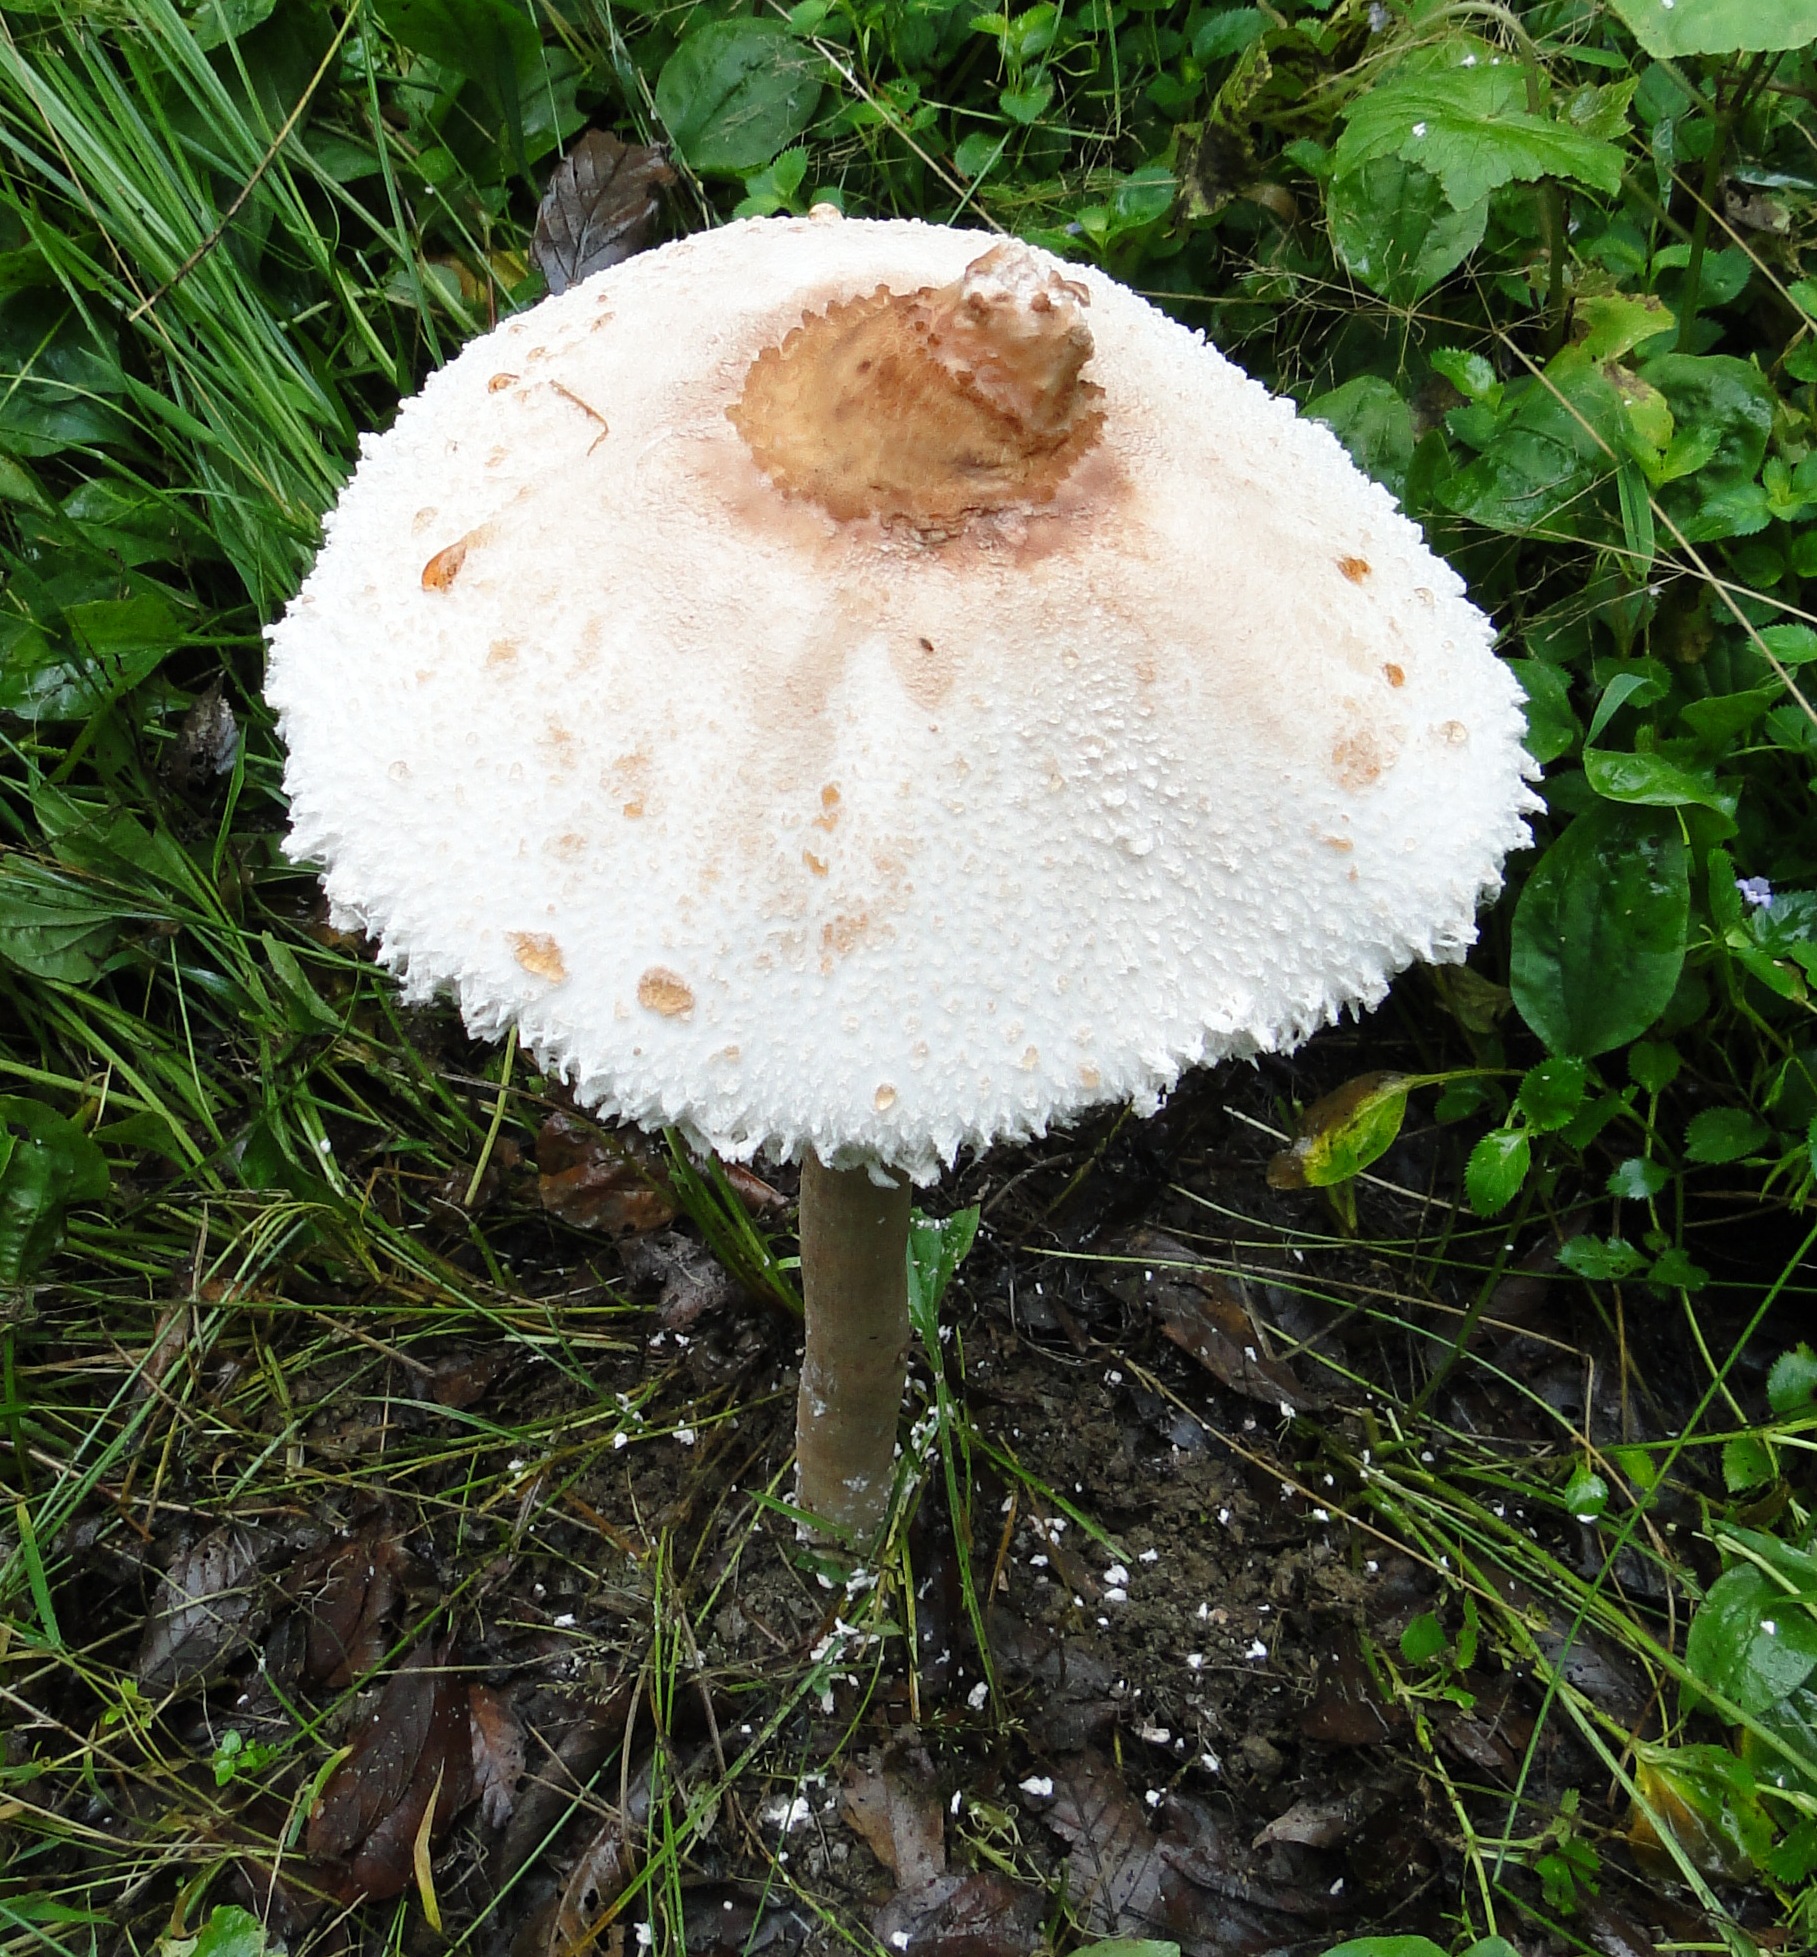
{"x":882,"y":833}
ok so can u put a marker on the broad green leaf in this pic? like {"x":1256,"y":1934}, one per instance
{"x":1716,"y":721}
{"x":1542,"y":471}
{"x":1616,"y":321}
{"x":1599,"y":931}
{"x":1791,"y":645}
{"x":1629,"y":689}
{"x":230,"y":1932}
{"x":1792,"y":1381}
{"x":1654,"y":782}
{"x":1723,"y":1135}
{"x":1709,"y":1801}
{"x":1731,"y":401}
{"x":492,"y":42}
{"x":1750,"y":1641}
{"x":1551,"y":1093}
{"x":1388,"y":1946}
{"x":1602,"y":1260}
{"x":57,"y":382}
{"x":1653,"y":1065}
{"x":1673,"y":1270}
{"x":1639,"y":1178}
{"x":1395,"y":230}
{"x":1373,"y":423}
{"x":1230,"y":32}
{"x":1026,"y":105}
{"x":1671,"y":29}
{"x":1421,"y":1642}
{"x":50,"y":928}
{"x":937,"y":1246}
{"x":1747,"y":1462}
{"x":735,"y":93}
{"x":1496,"y":1169}
{"x":1552,"y":727}
{"x":49,"y":1164}
{"x":1586,"y":1494}
{"x":1463,"y":117}
{"x":1343,"y":1132}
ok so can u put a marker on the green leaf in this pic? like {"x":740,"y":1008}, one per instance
{"x":1639,"y":1177}
{"x":1723,"y":1135}
{"x":1421,"y":1642}
{"x":1717,"y":721}
{"x":1791,"y":645}
{"x":1551,"y":1093}
{"x":735,"y":93}
{"x":57,"y":381}
{"x":1617,"y":321}
{"x":1747,"y":1462}
{"x":1387,"y":1946}
{"x":1497,"y":1167}
{"x":230,"y":1932}
{"x":1552,"y":727}
{"x":1673,"y":1270}
{"x":1599,"y":931}
{"x":1462,"y":117}
{"x":1669,"y":32}
{"x":1654,"y":782}
{"x":1029,"y":104}
{"x":48,"y":1164}
{"x":1792,"y":1382}
{"x":1342,"y":1132}
{"x":1750,"y":1641}
{"x":1586,"y":1494}
{"x":1539,"y":473}
{"x":1716,"y":396}
{"x":1395,"y":230}
{"x":494,"y":43}
{"x":1373,"y":423}
{"x":52,"y":929}
{"x":1653,"y":1065}
{"x":936,"y":1249}
{"x":1601,"y":1260}
{"x":1223,"y":34}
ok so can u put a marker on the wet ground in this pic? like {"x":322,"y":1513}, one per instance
{"x":1201,"y":1630}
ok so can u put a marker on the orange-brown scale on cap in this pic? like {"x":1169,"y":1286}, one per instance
{"x":665,"y":992}
{"x":1356,"y":569}
{"x":1361,"y":757}
{"x":538,"y":953}
{"x":445,"y":566}
{"x":928,"y":408}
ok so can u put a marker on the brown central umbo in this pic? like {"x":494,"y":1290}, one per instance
{"x":927,"y":407}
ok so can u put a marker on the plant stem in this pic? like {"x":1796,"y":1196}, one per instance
{"x":1729,"y":100}
{"x":854,"y":1284}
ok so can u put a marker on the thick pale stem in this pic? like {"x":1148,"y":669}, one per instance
{"x":854,"y":1283}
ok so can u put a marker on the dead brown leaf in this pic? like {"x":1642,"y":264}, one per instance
{"x":416,"y":1743}
{"x":1348,"y":1710}
{"x":498,"y":1753}
{"x":209,"y":1607}
{"x":1205,"y":1315}
{"x":347,"y":1592}
{"x":601,"y":202}
{"x":1192,"y":1882}
{"x":605,"y":1866}
{"x":462,"y":1379}
{"x":207,"y":743}
{"x":983,"y":1915}
{"x":892,"y":1801}
{"x":595,"y":1183}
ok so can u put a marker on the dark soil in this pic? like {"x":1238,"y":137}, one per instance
{"x":1195,"y":1719}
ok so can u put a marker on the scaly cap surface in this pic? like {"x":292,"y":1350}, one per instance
{"x":794,"y":801}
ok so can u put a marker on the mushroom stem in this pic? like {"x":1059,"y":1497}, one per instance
{"x":854,"y":1284}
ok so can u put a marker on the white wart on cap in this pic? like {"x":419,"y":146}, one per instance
{"x":827,"y":697}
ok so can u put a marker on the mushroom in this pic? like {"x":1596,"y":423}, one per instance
{"x":853,"y":692}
